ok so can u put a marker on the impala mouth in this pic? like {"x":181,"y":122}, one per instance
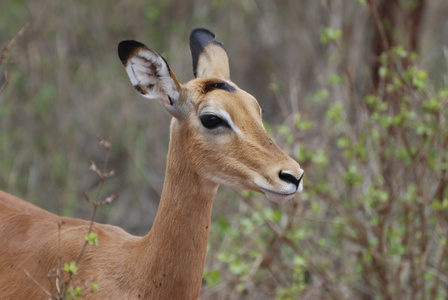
{"x":278,"y":197}
{"x":287,"y":192}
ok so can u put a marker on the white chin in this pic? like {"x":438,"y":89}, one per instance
{"x":278,"y":198}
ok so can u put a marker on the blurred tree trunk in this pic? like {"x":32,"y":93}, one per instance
{"x":396,"y":24}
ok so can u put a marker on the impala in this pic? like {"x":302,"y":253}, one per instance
{"x":217,"y":137}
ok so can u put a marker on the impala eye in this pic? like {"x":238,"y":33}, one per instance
{"x":210,"y":121}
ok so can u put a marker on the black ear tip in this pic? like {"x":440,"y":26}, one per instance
{"x":126,"y":48}
{"x":202,"y":33}
{"x":202,"y":36}
{"x":199,"y":39}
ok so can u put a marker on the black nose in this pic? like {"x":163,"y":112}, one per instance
{"x":288,"y":177}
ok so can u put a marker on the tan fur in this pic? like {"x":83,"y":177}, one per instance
{"x":168,"y":262}
{"x":221,"y":66}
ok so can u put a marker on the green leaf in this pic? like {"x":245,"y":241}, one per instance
{"x":432,"y":105}
{"x":71,"y":268}
{"x":212,"y":278}
{"x":403,"y":154}
{"x":274,"y":87}
{"x":302,"y":125}
{"x":342,"y":142}
{"x":320,"y":95}
{"x":45,"y":98}
{"x":320,"y":158}
{"x":351,"y":177}
{"x":273,"y":215}
{"x":419,"y":81}
{"x":223,"y":225}
{"x":247,"y":225}
{"x":92,"y":238}
{"x":443,"y":93}
{"x":335,"y":113}
{"x":304,"y":155}
{"x":371,"y":99}
{"x":299,"y":261}
{"x":75,"y":293}
{"x":153,"y":13}
{"x":285,"y":131}
{"x":305,"y":125}
{"x":298,"y":234}
{"x":375,"y":135}
{"x":329,"y":34}
{"x":267,"y":127}
{"x":225,"y":257}
{"x":383,"y":71}
{"x":400,"y":52}
{"x":334,"y":79}
{"x":411,"y":193}
{"x":238,"y":267}
{"x":436,"y":205}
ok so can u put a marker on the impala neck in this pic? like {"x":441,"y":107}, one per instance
{"x":177,"y":243}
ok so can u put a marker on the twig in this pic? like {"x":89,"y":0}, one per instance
{"x":442,"y":277}
{"x":439,"y":276}
{"x":107,"y":145}
{"x":5,"y":52}
{"x":378,"y":24}
{"x":39,"y":285}
{"x":281,"y":235}
{"x":103,"y":175}
{"x":8,"y":46}
{"x":58,"y":272}
{"x":5,"y":84}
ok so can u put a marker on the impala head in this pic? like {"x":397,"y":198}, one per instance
{"x":216,"y":125}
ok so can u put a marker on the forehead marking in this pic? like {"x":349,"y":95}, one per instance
{"x":217,"y":85}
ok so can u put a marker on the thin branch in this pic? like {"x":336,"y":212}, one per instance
{"x":103,"y":175}
{"x":280,"y":233}
{"x":5,"y":52}
{"x":5,"y":84}
{"x":110,"y":199}
{"x":442,"y":277}
{"x":8,"y":46}
{"x":39,"y":285}
{"x":379,"y":25}
{"x":107,"y":145}
{"x":59,"y":272}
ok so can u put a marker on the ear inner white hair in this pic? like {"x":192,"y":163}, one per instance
{"x":150,"y":75}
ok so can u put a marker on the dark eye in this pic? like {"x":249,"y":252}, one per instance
{"x":212,"y":121}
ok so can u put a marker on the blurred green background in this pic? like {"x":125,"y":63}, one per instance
{"x":364,"y":113}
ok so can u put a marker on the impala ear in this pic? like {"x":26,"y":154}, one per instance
{"x":209,"y":56}
{"x":150,"y":74}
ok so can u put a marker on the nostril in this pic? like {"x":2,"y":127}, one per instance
{"x":300,"y":187}
{"x":301,"y":176}
{"x":288,"y":177}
